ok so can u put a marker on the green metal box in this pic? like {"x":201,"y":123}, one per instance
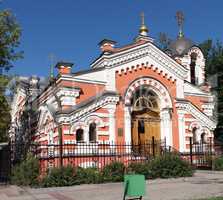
{"x":134,"y":185}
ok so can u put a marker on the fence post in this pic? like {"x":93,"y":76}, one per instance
{"x":211,"y":160}
{"x":60,"y":146}
{"x":191,"y":153}
{"x":153,"y":146}
{"x":165,"y":149}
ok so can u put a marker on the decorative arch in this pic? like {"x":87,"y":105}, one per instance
{"x":194,"y":125}
{"x":94,"y":119}
{"x":157,"y":87}
{"x":45,"y":115}
{"x":76,"y":126}
{"x":206,"y":131}
{"x":205,"y":134}
{"x":196,"y":50}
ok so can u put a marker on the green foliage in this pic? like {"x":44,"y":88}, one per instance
{"x":5,"y":117}
{"x":213,"y":52}
{"x":27,"y":172}
{"x":89,"y":175}
{"x":139,"y":168}
{"x":166,"y":166}
{"x":10,"y":33}
{"x":113,"y":172}
{"x":218,"y":163}
{"x":64,"y":176}
{"x":169,"y":165}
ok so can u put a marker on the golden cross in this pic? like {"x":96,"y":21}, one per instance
{"x":180,"y":18}
{"x":180,"y":21}
{"x":143,"y":18}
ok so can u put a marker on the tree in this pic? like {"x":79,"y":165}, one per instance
{"x":10,"y":34}
{"x":163,"y":41}
{"x":4,"y":110}
{"x":213,"y":53}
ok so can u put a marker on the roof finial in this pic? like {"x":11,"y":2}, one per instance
{"x":143,"y":29}
{"x":52,"y":59}
{"x":180,"y":21}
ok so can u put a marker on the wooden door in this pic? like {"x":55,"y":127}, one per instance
{"x":151,"y":123}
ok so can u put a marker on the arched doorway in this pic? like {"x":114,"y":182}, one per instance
{"x":145,"y":116}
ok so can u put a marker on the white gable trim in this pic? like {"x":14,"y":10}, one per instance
{"x":87,"y":110}
{"x":45,"y":113}
{"x":197,"y":114}
{"x":189,"y":89}
{"x":165,"y":63}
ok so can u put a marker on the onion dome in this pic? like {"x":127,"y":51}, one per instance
{"x":181,"y":45}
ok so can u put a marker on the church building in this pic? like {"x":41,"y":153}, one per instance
{"x":130,"y":94}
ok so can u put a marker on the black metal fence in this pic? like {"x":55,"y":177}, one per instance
{"x":5,"y":162}
{"x":96,"y":154}
{"x":200,"y":155}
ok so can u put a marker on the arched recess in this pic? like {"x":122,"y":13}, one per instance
{"x":93,"y":122}
{"x":206,"y":135}
{"x":75,"y":128}
{"x":46,"y":122}
{"x":197,"y":64}
{"x":85,"y":126}
{"x":163,"y":110}
{"x":195,"y":129}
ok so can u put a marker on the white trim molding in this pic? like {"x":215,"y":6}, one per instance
{"x":166,"y":64}
{"x":197,"y":114}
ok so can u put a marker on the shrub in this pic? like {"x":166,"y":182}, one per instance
{"x":27,"y":172}
{"x":139,"y":168}
{"x":89,"y":175}
{"x":169,"y":165}
{"x":64,"y":176}
{"x":67,"y":176}
{"x":113,"y":172}
{"x":218,"y":163}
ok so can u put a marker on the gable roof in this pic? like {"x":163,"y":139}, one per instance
{"x":138,"y":50}
{"x":88,"y":106}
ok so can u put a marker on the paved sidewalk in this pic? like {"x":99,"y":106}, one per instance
{"x":203,"y":184}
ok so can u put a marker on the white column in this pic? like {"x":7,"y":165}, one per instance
{"x":166,"y":126}
{"x":127,"y":119}
{"x":86,"y":134}
{"x":181,"y":126}
{"x":111,"y":111}
{"x":180,"y":88}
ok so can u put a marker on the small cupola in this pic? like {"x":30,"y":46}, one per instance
{"x":143,"y":31}
{"x":107,"y":46}
{"x":64,"y":67}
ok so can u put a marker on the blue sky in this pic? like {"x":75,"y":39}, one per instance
{"x":71,"y":29}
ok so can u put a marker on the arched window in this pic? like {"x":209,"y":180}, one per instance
{"x":194,"y":132}
{"x":79,"y":135}
{"x":203,"y":138}
{"x":144,"y":98}
{"x":92,"y":132}
{"x":192,"y":68}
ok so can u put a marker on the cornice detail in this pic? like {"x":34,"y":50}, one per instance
{"x":88,"y":109}
{"x":165,"y":64}
{"x":204,"y":119}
